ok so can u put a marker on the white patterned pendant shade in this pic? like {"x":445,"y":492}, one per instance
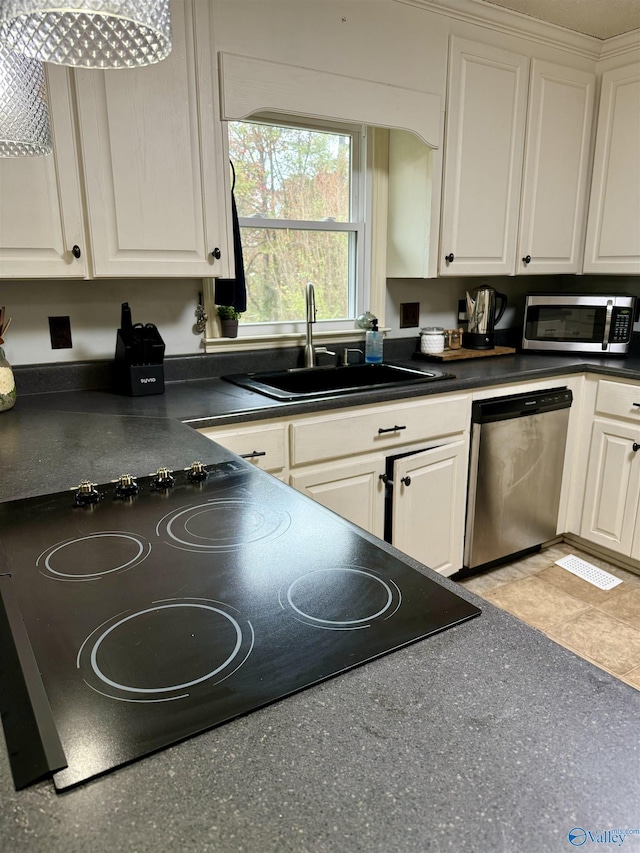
{"x":88,"y":33}
{"x":24,"y":111}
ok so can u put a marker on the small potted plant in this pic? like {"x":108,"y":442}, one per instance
{"x":228,"y":321}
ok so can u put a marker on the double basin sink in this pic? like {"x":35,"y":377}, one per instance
{"x":312,"y":383}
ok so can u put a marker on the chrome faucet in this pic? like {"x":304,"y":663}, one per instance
{"x":310,"y":351}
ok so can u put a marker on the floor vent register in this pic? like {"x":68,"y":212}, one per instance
{"x":588,"y":572}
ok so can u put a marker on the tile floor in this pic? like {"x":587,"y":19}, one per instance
{"x":600,"y":626}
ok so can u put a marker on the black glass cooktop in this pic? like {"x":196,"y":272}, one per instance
{"x":136,"y":621}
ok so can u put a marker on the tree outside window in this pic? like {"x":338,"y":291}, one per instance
{"x":295,"y":198}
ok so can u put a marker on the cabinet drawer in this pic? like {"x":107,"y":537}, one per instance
{"x":267,"y":443}
{"x":376,"y":429}
{"x":619,"y":399}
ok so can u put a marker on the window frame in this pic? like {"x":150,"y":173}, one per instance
{"x":359,"y":224}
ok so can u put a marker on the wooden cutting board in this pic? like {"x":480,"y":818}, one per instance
{"x":460,"y":354}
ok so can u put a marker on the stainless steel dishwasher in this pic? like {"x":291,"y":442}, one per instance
{"x":517,"y":455}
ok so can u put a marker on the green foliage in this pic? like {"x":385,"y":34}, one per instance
{"x":228,"y":312}
{"x":294,"y":174}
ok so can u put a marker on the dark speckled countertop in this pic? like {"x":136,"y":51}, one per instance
{"x":210,"y":400}
{"x":487,"y":737}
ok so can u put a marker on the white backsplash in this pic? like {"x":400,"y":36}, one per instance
{"x":94,"y":309}
{"x":438,"y":297}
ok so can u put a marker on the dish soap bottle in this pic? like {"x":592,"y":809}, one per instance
{"x":373,"y":345}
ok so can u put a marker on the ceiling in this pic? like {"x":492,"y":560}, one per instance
{"x":599,"y":18}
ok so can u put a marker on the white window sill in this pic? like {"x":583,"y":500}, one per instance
{"x":291,"y":339}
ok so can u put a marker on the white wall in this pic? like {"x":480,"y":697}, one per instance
{"x":438,"y":297}
{"x":94,"y":311}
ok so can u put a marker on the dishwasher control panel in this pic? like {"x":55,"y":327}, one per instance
{"x":520,"y":405}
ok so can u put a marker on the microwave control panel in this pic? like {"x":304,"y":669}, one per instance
{"x":621,"y":322}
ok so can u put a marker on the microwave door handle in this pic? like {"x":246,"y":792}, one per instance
{"x":607,"y":324}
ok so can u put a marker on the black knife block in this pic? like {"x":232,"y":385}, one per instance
{"x":137,"y":380}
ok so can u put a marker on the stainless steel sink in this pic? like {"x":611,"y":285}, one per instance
{"x":321,"y":382}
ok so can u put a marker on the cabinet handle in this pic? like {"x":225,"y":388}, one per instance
{"x":636,"y":447}
{"x":636,"y":404}
{"x":75,"y":251}
{"x":386,"y":480}
{"x":253,"y":454}
{"x":406,"y":481}
{"x":449,"y":258}
{"x":216,"y":253}
{"x":391,"y":429}
{"x":526,"y":259}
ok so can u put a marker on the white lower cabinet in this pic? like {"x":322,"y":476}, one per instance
{"x":429,"y":505}
{"x":611,"y":508}
{"x":263,"y":445}
{"x":612,"y":497}
{"x":354,"y":490}
{"x":339,"y":459}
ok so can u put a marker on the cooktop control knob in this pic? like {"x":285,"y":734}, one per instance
{"x":163,"y":479}
{"x":126,"y":486}
{"x":87,"y":493}
{"x":197,"y":472}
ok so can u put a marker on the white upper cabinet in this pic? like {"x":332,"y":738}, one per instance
{"x":613,"y":229}
{"x":556,"y":170}
{"x":152,"y":153}
{"x":514,"y":203}
{"x":486,"y":115}
{"x":40,"y":202}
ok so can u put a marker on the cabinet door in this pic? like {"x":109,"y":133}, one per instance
{"x":553,"y":210}
{"x":612,"y":490}
{"x":635,"y":545}
{"x":40,"y":202}
{"x":353,"y":490}
{"x":486,"y":113}
{"x":429,"y":506}
{"x":151,"y":163}
{"x":613,"y":228}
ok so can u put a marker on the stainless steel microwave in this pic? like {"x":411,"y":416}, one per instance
{"x":587,"y":322}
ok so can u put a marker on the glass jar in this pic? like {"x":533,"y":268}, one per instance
{"x":7,"y":384}
{"x":432,"y":340}
{"x":455,"y":338}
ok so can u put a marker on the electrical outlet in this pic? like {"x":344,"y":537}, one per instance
{"x":60,"y":332}
{"x":409,"y":314}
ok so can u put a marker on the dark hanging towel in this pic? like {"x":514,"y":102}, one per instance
{"x":233,"y":291}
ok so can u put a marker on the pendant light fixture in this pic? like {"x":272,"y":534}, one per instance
{"x":88,"y":33}
{"x":24,"y":111}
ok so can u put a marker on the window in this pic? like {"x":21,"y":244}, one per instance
{"x":300,"y":194}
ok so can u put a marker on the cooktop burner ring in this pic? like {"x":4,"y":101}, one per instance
{"x":385,"y":594}
{"x":88,"y":658}
{"x":120,"y":540}
{"x":209,"y":527}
